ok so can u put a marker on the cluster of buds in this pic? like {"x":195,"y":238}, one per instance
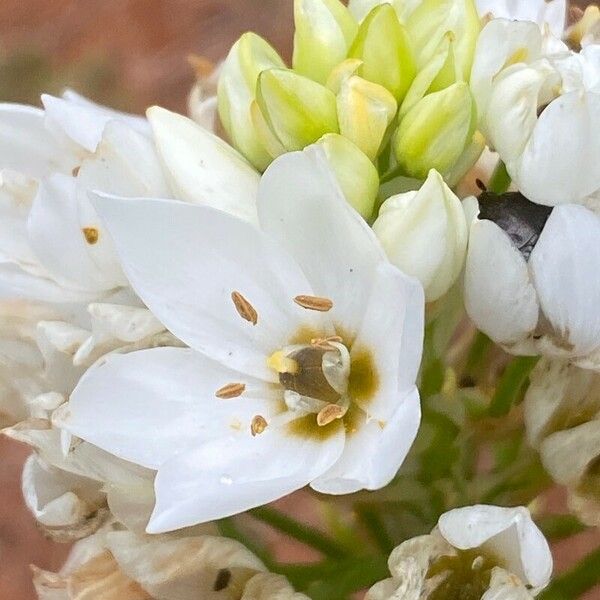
{"x":382,"y":86}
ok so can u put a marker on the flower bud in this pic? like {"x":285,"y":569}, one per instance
{"x":586,"y":30}
{"x":361,"y":8}
{"x":342,"y":73}
{"x":365,"y":111}
{"x":325,"y":30}
{"x":249,"y":56}
{"x":432,"y":19}
{"x":355,"y":173}
{"x":385,"y":49}
{"x":298,"y":110}
{"x":425,"y":234}
{"x":434,"y":133}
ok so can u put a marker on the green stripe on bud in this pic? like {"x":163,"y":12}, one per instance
{"x":365,"y":111}
{"x":435,"y":132}
{"x":325,"y":29}
{"x":383,"y":45}
{"x":249,"y":56}
{"x":298,"y":110}
{"x":355,"y":173}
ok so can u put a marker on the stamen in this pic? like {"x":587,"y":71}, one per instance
{"x":244,"y":308}
{"x":314,"y":303}
{"x":259,"y":424}
{"x":91,"y":235}
{"x":327,"y":343}
{"x":231,"y":390}
{"x":280,"y":363}
{"x":330,"y":413}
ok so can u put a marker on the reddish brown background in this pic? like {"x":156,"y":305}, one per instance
{"x":130,"y":53}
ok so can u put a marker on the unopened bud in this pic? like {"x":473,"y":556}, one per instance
{"x":435,"y":132}
{"x":298,"y":110}
{"x":325,"y":30}
{"x":384,"y":47}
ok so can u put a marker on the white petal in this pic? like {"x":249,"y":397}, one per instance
{"x":392,"y":335}
{"x":186,"y":260}
{"x":505,"y":586}
{"x":58,"y":239}
{"x":27,"y":146}
{"x":373,"y":453}
{"x":509,"y":532}
{"x":146,"y":406}
{"x":559,"y":164}
{"x":83,"y":121}
{"x":565,"y":265}
{"x":202,"y":167}
{"x":500,"y":43}
{"x":499,"y":296}
{"x":238,"y":472}
{"x":302,"y":206}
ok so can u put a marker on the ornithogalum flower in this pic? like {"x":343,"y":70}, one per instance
{"x":304,"y":345}
{"x":531,"y":280}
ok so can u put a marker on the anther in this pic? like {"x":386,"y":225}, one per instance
{"x":259,"y":424}
{"x":244,"y":308}
{"x":314,"y":303}
{"x":330,"y":413}
{"x":91,"y":235}
{"x":231,"y":390}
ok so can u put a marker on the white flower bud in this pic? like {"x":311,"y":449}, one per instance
{"x":425,"y":234}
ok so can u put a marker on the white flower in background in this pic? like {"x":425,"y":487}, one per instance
{"x":304,"y":343}
{"x":119,"y":565}
{"x":545,"y":13}
{"x":539,"y":108}
{"x":479,"y":552}
{"x":562,"y":416}
{"x":424,"y":233}
{"x":531,"y":277}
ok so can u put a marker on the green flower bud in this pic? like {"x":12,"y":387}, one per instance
{"x":325,"y":30}
{"x":361,"y":8}
{"x":432,"y":19}
{"x":384,"y":47}
{"x":435,"y":132}
{"x":298,"y":110}
{"x":365,"y":111}
{"x":343,"y":72}
{"x":237,"y":84}
{"x":439,"y":73}
{"x":355,"y":173}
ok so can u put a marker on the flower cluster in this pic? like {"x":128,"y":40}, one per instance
{"x":201,"y":315}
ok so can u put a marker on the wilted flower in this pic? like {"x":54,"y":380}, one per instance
{"x":531,"y":277}
{"x":117,"y":564}
{"x":424,"y":233}
{"x":476,"y":552}
{"x":293,"y":375}
{"x":562,"y":415}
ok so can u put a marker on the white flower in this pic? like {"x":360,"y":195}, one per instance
{"x":119,"y":565}
{"x":562,"y":415}
{"x":539,"y":108}
{"x":531,"y":277}
{"x":425,"y":234}
{"x":550,"y":13}
{"x":486,"y":552}
{"x":304,"y":348}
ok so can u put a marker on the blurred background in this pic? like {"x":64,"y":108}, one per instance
{"x":129,"y":54}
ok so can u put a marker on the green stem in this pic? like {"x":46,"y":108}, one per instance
{"x":510,"y":385}
{"x":575,"y":582}
{"x":374,"y":524}
{"x":560,"y":527}
{"x":303,"y":533}
{"x":500,"y":181}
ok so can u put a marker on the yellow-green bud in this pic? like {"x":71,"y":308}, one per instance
{"x":249,"y":56}
{"x":355,"y":173}
{"x":325,"y":30}
{"x":361,"y":8}
{"x":440,"y":72}
{"x":432,"y":19}
{"x":298,"y":110}
{"x":343,"y":72}
{"x":384,"y":47}
{"x":365,"y":111}
{"x":435,"y":132}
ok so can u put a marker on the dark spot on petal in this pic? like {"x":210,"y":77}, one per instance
{"x":222,"y":581}
{"x":521,"y":219}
